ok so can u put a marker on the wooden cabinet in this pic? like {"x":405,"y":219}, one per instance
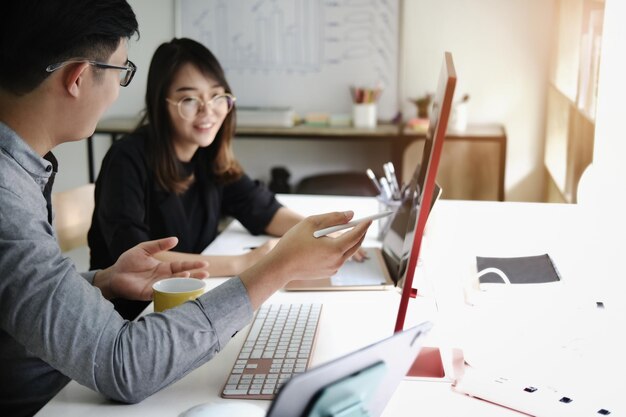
{"x":472,"y":165}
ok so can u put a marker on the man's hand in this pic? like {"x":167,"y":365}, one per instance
{"x":304,"y":257}
{"x":299,"y":255}
{"x":256,"y":254}
{"x":359,"y":256}
{"x":135,"y":271}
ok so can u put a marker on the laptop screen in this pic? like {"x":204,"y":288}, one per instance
{"x":399,"y":237}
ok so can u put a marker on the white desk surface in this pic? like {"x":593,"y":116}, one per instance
{"x":457,"y":231}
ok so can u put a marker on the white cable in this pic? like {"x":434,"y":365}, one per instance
{"x":495,"y":271}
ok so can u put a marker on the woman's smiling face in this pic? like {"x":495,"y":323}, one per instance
{"x":194,"y":131}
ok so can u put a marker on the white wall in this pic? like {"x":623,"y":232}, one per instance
{"x":501,"y":53}
{"x":501,"y":50}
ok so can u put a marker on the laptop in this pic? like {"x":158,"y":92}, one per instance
{"x":381,"y":269}
{"x":361,"y":382}
{"x":386,"y":266}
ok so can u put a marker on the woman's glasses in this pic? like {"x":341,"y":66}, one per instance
{"x":126,"y":72}
{"x":189,"y":107}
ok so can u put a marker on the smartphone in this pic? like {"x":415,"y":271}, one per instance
{"x":332,"y":229}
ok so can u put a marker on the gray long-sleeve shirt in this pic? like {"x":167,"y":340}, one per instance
{"x":55,"y":325}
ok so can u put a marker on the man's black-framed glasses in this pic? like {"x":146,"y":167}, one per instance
{"x":126,"y":72}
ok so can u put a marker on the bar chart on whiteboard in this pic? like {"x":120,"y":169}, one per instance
{"x":303,"y":54}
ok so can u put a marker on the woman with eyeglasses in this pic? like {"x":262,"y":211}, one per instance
{"x":176,"y":174}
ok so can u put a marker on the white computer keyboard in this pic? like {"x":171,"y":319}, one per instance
{"x":279,"y":345}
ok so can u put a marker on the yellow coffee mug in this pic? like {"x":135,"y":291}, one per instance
{"x":172,"y":292}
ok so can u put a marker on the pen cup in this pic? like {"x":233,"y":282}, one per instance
{"x":364,"y":115}
{"x":384,"y":224}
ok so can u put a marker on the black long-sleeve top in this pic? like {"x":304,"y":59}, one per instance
{"x":130,"y":207}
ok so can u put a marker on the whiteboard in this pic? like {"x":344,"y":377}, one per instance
{"x":303,"y":54}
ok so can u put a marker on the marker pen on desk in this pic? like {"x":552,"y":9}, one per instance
{"x":387,"y":194}
{"x":389,"y":176}
{"x":372,"y":177}
{"x":394,"y":180}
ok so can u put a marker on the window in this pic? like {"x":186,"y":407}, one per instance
{"x":571,"y":101}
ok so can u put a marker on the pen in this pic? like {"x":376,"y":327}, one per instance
{"x":386,"y":188}
{"x":332,"y":229}
{"x":389,"y":179}
{"x":395,"y":186}
{"x":372,"y":177}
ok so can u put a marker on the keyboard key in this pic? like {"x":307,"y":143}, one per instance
{"x":235,"y":391}
{"x":278,"y":345}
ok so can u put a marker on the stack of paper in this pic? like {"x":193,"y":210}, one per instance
{"x":544,"y":359}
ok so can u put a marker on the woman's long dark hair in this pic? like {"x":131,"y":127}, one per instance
{"x":167,"y":60}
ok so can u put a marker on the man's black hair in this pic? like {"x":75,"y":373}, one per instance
{"x":38,"y":33}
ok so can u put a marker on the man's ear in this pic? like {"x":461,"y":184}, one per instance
{"x":74,"y":77}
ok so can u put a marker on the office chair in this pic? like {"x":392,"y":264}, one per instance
{"x":338,"y":183}
{"x":73,"y":210}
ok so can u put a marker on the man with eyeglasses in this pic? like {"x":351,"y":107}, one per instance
{"x":127,"y":71}
{"x":63,"y":62}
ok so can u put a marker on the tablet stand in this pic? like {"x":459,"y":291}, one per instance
{"x":428,"y":364}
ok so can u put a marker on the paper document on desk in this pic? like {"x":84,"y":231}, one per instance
{"x":531,"y":396}
{"x":545,"y":359}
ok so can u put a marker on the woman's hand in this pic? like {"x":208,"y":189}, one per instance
{"x":136,"y":270}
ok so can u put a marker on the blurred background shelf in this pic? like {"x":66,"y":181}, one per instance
{"x":473,"y":163}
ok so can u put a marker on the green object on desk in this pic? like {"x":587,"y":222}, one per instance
{"x":340,"y":120}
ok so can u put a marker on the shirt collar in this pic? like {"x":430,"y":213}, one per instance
{"x":40,"y":169}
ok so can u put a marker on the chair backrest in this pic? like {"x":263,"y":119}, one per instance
{"x":337,"y":183}
{"x":73,"y":210}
